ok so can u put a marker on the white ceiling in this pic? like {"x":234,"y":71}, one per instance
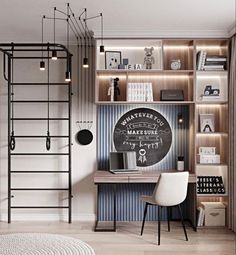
{"x":20,"y":20}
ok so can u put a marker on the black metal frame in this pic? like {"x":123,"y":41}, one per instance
{"x":113,"y":228}
{"x":159,"y":219}
{"x":7,"y":49}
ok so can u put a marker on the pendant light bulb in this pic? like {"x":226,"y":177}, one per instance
{"x":42,"y":65}
{"x":102,"y":50}
{"x":180,"y":119}
{"x":85,"y":63}
{"x":68,"y":77}
{"x":54,"y":55}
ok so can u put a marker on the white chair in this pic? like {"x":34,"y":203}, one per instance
{"x":170,"y":190}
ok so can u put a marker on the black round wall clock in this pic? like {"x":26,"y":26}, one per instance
{"x":146,"y":132}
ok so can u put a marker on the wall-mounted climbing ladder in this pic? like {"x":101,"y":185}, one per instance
{"x":10,"y":57}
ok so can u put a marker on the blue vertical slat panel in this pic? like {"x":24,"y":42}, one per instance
{"x":129,"y":206}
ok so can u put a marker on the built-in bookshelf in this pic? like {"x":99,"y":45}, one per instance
{"x":205,"y":91}
{"x":216,"y":106}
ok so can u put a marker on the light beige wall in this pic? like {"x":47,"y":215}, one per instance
{"x":83,"y":157}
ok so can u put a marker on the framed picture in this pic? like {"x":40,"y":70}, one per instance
{"x":112,"y":59}
{"x":207,"y":123}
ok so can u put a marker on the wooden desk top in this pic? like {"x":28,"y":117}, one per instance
{"x":102,"y":176}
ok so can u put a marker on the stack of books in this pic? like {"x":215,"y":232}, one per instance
{"x":215,"y":63}
{"x":139,"y":92}
{"x":210,"y":63}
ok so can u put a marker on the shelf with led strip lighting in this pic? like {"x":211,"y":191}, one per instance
{"x":145,"y":71}
{"x":211,"y":133}
{"x":220,"y":164}
{"x":146,"y":103}
{"x":218,"y":107}
{"x":182,"y":50}
{"x":159,"y":80}
{"x":217,"y":80}
{"x":160,"y":76}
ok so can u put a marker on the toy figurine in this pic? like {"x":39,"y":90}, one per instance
{"x":210,"y":91}
{"x":114,"y":90}
{"x":149,"y":59}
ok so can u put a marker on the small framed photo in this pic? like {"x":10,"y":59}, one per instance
{"x":207,"y":123}
{"x":112,"y":59}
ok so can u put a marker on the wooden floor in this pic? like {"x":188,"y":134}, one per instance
{"x":127,"y":240}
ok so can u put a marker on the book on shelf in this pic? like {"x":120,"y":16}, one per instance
{"x":209,"y":63}
{"x":201,"y":216}
{"x":210,"y":98}
{"x":213,"y":67}
{"x":201,"y":57}
{"x":217,"y":58}
{"x":139,"y":92}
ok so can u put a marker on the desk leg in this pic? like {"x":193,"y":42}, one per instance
{"x":192,"y":205}
{"x":114,"y":207}
{"x":96,"y":228}
{"x":98,"y":209}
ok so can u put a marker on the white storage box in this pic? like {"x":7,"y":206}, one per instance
{"x":214,"y":213}
{"x":208,"y":159}
{"x":207,"y":150}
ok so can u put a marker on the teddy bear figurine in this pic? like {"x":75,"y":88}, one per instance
{"x":149,"y":59}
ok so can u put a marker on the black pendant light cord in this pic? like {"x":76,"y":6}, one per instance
{"x":101,"y":28}
{"x":48,"y":138}
{"x":87,"y":47}
{"x":85,"y":35}
{"x":12,"y":139}
{"x":42,"y":36}
{"x":54,"y":27}
{"x":68,"y":36}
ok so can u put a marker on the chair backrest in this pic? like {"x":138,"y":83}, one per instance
{"x":171,"y":188}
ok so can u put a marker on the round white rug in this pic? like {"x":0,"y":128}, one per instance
{"x":42,"y":244}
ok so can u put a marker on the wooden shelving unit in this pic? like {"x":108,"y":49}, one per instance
{"x":219,"y":108}
{"x":188,"y":79}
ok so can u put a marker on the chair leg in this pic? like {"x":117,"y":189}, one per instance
{"x":182,"y":220}
{"x":159,"y":224}
{"x":144,"y":217}
{"x":168,"y":218}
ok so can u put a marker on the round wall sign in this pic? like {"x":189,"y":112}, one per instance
{"x":84,"y":137}
{"x":145,"y":131}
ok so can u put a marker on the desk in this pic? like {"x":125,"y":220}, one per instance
{"x":105,"y":177}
